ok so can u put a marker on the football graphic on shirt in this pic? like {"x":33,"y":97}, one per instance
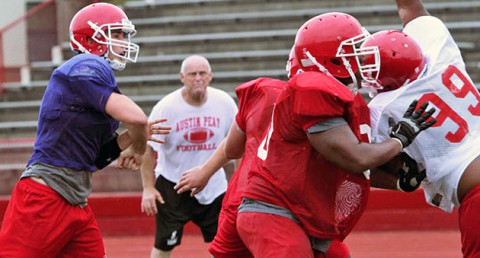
{"x":198,"y":135}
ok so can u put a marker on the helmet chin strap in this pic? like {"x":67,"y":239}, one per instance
{"x":81,"y":49}
{"x":320,"y":67}
{"x":115,"y":63}
{"x":372,"y":91}
{"x":354,"y":84}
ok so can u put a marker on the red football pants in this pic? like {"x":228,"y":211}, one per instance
{"x":337,"y":249}
{"x":38,"y":222}
{"x":469,"y":221}
{"x":227,"y":242}
{"x":268,"y":235}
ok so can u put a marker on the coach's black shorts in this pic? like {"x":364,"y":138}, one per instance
{"x":180,"y":209}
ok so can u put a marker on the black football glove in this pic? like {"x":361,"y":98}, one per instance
{"x":409,"y":177}
{"x":411,"y":124}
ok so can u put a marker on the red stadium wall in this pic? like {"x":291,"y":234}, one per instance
{"x":119,"y":214}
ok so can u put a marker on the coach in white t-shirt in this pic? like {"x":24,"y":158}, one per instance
{"x":200,"y":117}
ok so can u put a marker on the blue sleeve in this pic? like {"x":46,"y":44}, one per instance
{"x":92,"y":82}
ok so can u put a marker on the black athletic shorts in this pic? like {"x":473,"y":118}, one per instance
{"x":180,"y":209}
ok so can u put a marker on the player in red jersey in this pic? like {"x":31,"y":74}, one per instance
{"x":255,"y":101}
{"x":310,"y":180}
{"x":227,"y":242}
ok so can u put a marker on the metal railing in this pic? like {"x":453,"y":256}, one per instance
{"x":8,"y":28}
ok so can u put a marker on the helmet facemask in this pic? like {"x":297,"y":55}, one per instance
{"x":370,"y":74}
{"x":103,"y":35}
{"x":352,"y":47}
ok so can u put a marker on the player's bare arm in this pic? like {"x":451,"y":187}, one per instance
{"x":194,"y":179}
{"x":235,"y":142}
{"x":340,"y":146}
{"x":233,"y":147}
{"x":118,"y":147}
{"x":400,"y":173}
{"x":127,"y":156}
{"x":410,"y":9}
{"x":133,"y":118}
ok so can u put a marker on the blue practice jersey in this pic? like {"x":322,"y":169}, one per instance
{"x":72,"y":122}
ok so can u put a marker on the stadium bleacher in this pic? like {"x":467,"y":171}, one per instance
{"x":242,"y":39}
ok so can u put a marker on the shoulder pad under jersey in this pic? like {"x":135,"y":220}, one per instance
{"x":316,"y":94}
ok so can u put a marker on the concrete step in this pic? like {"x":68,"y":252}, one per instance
{"x":167,"y":8}
{"x":254,"y":19}
{"x":170,"y":63}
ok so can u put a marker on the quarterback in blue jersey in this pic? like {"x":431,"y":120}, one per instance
{"x":48,"y":214}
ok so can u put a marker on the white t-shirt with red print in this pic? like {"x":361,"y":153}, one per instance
{"x":196,"y":132}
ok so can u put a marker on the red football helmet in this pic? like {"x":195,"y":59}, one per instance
{"x":293,"y":67}
{"x":402,"y":60}
{"x":97,"y":21}
{"x":330,"y":42}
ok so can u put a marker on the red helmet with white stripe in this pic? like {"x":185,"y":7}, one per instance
{"x":293,"y":67}
{"x":91,"y":31}
{"x":330,"y":42}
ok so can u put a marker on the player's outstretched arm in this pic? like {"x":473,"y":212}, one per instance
{"x":340,"y":145}
{"x":400,"y":173}
{"x":127,"y":156}
{"x":232,"y":147}
{"x":408,"y":10}
{"x":380,"y":178}
{"x":123,"y":109}
{"x":112,"y":149}
{"x":196,"y":178}
{"x":155,"y":127}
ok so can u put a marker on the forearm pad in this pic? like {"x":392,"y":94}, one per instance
{"x":108,"y":153}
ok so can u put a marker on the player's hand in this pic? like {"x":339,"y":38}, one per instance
{"x":410,"y":178}
{"x":129,"y":159}
{"x":412,"y":123}
{"x":193,"y":179}
{"x":154,"y":128}
{"x":149,"y":197}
